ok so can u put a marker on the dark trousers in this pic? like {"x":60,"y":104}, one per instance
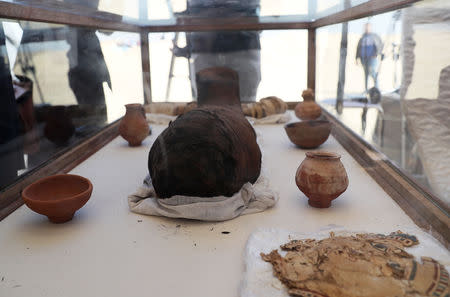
{"x":370,"y":66}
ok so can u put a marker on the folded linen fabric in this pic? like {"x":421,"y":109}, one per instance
{"x":251,"y":198}
{"x":159,"y":118}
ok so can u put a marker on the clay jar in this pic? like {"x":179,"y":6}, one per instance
{"x":321,"y":177}
{"x":308,"y":109}
{"x":134,"y":127}
{"x":58,"y":125}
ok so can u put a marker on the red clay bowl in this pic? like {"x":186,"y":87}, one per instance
{"x":308,"y":134}
{"x":58,"y":196}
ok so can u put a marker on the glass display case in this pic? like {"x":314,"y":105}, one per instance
{"x":379,"y":71}
{"x":391,"y":100}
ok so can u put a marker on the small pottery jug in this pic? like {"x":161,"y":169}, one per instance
{"x":322,"y":178}
{"x":308,"y":109}
{"x":58,"y":125}
{"x":134,"y":127}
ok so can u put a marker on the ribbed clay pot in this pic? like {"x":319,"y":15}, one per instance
{"x":308,"y":109}
{"x":322,"y":178}
{"x":206,"y":152}
{"x":58,"y":125}
{"x":134,"y":127}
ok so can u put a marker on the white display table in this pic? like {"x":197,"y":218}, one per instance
{"x":108,"y":251}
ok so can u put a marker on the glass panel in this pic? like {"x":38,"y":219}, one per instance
{"x":60,"y":84}
{"x":391,"y":86}
{"x":152,"y":12}
{"x":266,"y":10}
{"x":269,"y":63}
{"x":327,"y":7}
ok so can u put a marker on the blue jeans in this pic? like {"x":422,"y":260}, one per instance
{"x":370,"y":66}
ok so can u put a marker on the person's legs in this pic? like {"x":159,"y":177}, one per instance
{"x":88,"y":70}
{"x":365,"y":66}
{"x":200,"y":61}
{"x":373,"y":64}
{"x":248,"y":65}
{"x":11,"y":146}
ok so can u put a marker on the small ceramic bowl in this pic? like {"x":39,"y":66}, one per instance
{"x":308,"y":134}
{"x":58,"y":196}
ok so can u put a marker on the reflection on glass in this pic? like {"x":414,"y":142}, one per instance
{"x":87,"y":70}
{"x":60,"y":84}
{"x":323,"y":8}
{"x":397,"y":93}
{"x":11,"y":150}
{"x":147,"y":12}
{"x":367,"y":52}
{"x":237,"y":50}
{"x":278,"y":68}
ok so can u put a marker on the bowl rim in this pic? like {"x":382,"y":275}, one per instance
{"x":133,"y":105}
{"x":306,"y":122}
{"x":25,"y":195}
{"x":323,"y":155}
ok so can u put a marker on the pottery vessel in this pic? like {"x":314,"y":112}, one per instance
{"x":58,"y":197}
{"x":134,"y":127}
{"x":58,"y":125}
{"x":308,"y":134}
{"x":308,"y":109}
{"x":322,"y":178}
{"x":206,"y":152}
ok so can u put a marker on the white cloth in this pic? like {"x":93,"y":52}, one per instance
{"x":251,"y":198}
{"x":163,"y":119}
{"x":159,"y":118}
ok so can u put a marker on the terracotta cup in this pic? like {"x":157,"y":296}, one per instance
{"x":321,"y":177}
{"x":134,"y":127}
{"x":308,"y":109}
{"x":58,"y":196}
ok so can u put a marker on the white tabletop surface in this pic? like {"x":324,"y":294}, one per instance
{"x":108,"y":251}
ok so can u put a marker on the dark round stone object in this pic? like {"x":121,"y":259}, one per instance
{"x":209,"y":151}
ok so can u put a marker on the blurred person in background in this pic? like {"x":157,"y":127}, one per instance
{"x":368,"y":49}
{"x":238,"y":50}
{"x":87,"y":66}
{"x":11,"y":147}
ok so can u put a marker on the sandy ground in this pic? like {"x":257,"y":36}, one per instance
{"x":432,"y":54}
